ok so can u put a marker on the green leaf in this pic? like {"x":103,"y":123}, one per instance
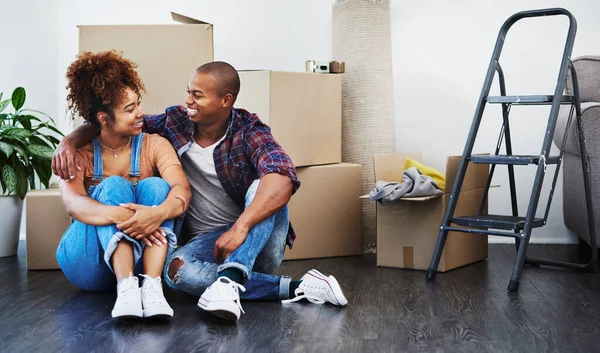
{"x":50,"y":127}
{"x":44,"y":170}
{"x":23,"y":154}
{"x":4,"y":104}
{"x":1,"y":94}
{"x":41,"y":151}
{"x":35,"y":140}
{"x":24,"y":120}
{"x":6,"y":148}
{"x":22,"y":180}
{"x":17,"y":132}
{"x":53,"y":140}
{"x":39,"y":112}
{"x":9,"y":177}
{"x":18,"y":98}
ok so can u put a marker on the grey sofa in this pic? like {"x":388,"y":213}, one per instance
{"x":574,"y":205}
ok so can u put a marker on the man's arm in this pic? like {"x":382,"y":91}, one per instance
{"x":278,"y":181}
{"x":64,"y":158}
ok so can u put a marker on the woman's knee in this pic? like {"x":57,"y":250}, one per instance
{"x":114,"y":190}
{"x":152,"y":191}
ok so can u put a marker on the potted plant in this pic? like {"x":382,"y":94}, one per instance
{"x":26,"y":146}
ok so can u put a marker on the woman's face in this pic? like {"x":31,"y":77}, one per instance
{"x":128,"y":116}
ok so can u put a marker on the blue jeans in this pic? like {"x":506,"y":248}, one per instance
{"x":257,"y":258}
{"x":84,"y":252}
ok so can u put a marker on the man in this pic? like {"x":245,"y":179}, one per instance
{"x":237,"y":219}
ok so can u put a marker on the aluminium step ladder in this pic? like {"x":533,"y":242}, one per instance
{"x":514,"y":225}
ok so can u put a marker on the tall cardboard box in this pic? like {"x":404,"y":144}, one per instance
{"x":326,"y":212}
{"x":47,"y":221}
{"x":407,"y":229}
{"x":166,"y":55}
{"x":304,"y":111}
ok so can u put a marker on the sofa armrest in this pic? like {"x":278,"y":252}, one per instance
{"x":591,"y":127}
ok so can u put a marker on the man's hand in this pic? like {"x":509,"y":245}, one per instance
{"x":228,"y":242}
{"x":64,"y":160}
{"x":145,"y":223}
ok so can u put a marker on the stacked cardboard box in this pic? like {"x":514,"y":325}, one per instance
{"x":304,"y":113}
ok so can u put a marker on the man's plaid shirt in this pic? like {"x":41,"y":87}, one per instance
{"x":247,"y":153}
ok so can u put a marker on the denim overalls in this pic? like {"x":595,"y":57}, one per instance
{"x":84,"y":253}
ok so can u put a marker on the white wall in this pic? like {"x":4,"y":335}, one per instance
{"x":441,"y":51}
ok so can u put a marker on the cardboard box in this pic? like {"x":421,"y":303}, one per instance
{"x":46,"y":222}
{"x":407,"y":229}
{"x":326,"y":212}
{"x":166,"y":55}
{"x":304,"y":111}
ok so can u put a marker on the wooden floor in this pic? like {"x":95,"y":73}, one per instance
{"x":390,"y":310}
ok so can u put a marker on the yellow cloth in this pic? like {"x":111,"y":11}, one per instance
{"x":439,"y":178}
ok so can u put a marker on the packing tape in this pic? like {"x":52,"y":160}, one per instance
{"x":408,"y":257}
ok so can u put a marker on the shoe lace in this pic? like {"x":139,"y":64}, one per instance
{"x":313,"y":294}
{"x":152,"y":289}
{"x":234,"y":287}
{"x":129,"y":291}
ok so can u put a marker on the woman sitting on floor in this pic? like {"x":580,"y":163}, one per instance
{"x":128,"y":189}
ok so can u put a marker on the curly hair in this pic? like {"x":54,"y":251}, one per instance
{"x":97,"y":83}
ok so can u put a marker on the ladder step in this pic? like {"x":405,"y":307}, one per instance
{"x":528,"y":100}
{"x":496,"y":222}
{"x":511,"y":160}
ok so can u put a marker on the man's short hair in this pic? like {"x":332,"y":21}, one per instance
{"x":228,"y":80}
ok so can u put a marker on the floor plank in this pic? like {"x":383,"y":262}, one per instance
{"x":390,"y":310}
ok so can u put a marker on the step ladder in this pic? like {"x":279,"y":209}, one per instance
{"x":514,"y":225}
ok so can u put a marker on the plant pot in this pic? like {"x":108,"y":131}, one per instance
{"x":11,"y":208}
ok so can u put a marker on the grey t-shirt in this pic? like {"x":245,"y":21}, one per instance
{"x":211,"y":207}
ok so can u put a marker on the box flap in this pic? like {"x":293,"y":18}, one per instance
{"x":475,"y":178}
{"x":187,"y":20}
{"x":389,"y":167}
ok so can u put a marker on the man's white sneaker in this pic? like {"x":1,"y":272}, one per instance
{"x":129,"y":301}
{"x":319,"y":289}
{"x":222,"y":299}
{"x":153,"y":298}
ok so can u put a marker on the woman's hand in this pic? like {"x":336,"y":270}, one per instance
{"x":145,"y":223}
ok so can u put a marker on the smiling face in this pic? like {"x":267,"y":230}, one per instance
{"x":127,"y":116}
{"x":204,"y":104}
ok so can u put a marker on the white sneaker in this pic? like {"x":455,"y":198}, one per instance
{"x":129,"y":301}
{"x":153,"y":298}
{"x":319,"y":289}
{"x":222,"y":299}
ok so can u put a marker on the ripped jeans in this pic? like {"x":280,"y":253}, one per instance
{"x":84,"y":252}
{"x":257,"y":258}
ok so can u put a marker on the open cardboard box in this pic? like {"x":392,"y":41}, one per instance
{"x":407,"y":229}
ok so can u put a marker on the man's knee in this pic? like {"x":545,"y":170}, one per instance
{"x":173,"y":269}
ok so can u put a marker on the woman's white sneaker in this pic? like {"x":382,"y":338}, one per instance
{"x":319,"y":289}
{"x":154,"y":303}
{"x":129,"y":301}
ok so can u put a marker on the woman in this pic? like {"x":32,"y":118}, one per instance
{"x":123,"y":213}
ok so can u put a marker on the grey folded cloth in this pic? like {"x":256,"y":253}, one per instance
{"x":415,"y":185}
